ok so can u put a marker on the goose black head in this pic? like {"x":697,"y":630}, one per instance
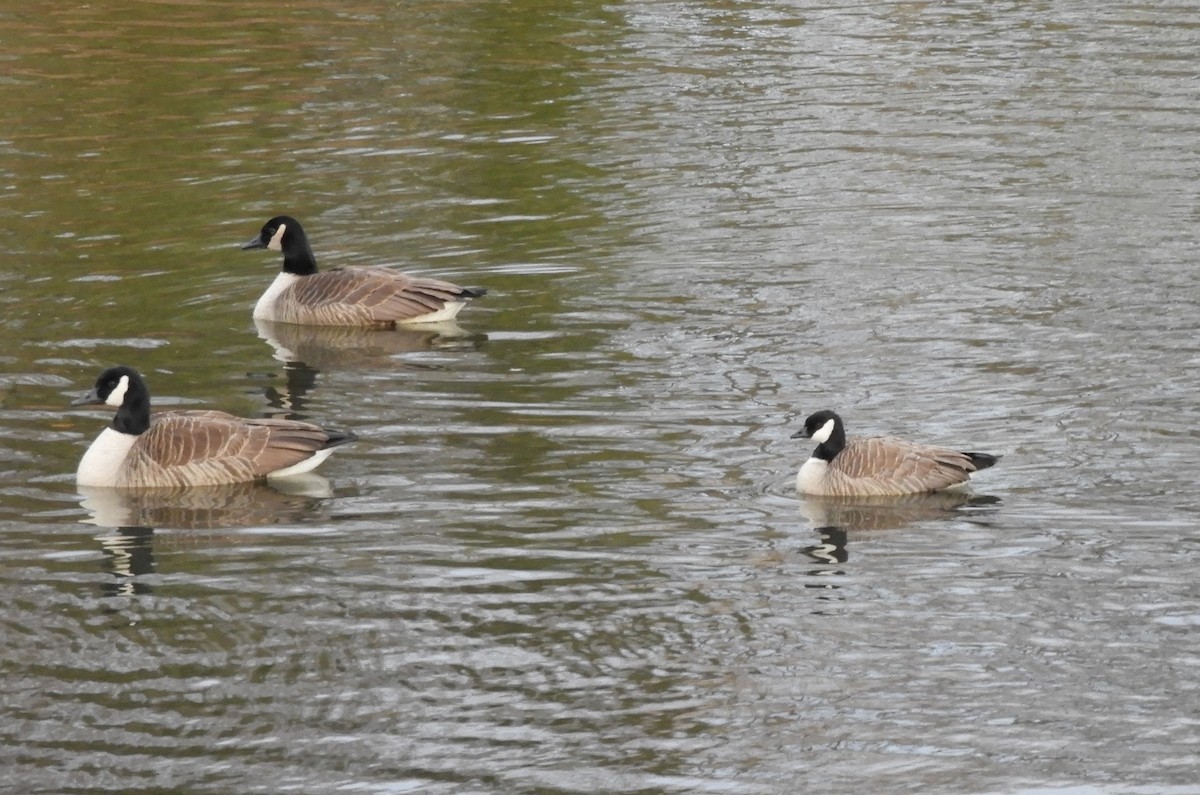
{"x":112,"y":388}
{"x":284,"y":234}
{"x":826,"y":429}
{"x":124,"y":389}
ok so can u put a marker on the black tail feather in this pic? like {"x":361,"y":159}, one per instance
{"x":982,"y":460}
{"x":338,"y":438}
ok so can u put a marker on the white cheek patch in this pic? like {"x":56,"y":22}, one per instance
{"x":117,"y":396}
{"x":276,"y":243}
{"x":822,"y":436}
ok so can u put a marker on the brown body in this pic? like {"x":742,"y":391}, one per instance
{"x":379,"y":297}
{"x":362,"y":297}
{"x":878,"y":466}
{"x":206,"y":448}
{"x":176,"y":449}
{"x":885,"y":466}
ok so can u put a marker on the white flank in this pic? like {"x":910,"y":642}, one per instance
{"x":265,"y":308}
{"x":276,"y":241}
{"x":117,"y":396}
{"x":448,"y":311}
{"x":102,"y":462}
{"x":812,"y":473}
{"x":307,"y":465}
{"x":822,"y":436}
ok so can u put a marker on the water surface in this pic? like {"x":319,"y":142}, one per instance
{"x":566,"y":555}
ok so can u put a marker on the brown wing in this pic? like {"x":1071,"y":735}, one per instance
{"x":885,"y":465}
{"x":365,"y":296}
{"x":192,"y":448}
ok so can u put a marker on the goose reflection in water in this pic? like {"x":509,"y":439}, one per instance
{"x":352,"y":348}
{"x":292,"y":499}
{"x":835,"y":518}
{"x":191,"y":515}
{"x":128,"y":555}
{"x":306,"y":351}
{"x":857,"y":514}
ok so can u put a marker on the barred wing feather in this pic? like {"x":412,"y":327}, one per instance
{"x":212,"y":447}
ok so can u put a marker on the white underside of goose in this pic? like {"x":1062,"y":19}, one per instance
{"x":307,"y":465}
{"x":448,"y":311}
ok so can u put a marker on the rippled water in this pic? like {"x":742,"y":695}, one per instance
{"x":566,"y":555}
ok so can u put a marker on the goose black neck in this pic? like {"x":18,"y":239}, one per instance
{"x":829,"y":449}
{"x":133,"y":416}
{"x":298,"y":258}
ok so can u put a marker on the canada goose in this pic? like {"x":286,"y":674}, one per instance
{"x":173,"y":449}
{"x":878,"y":466}
{"x":347,"y":296}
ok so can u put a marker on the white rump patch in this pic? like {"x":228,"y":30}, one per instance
{"x":265,"y":308}
{"x":276,"y":241}
{"x":117,"y":396}
{"x":102,"y":462}
{"x":822,"y":436}
{"x":810,"y":478}
{"x":307,"y":465}
{"x":449,"y":310}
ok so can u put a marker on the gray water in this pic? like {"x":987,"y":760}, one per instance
{"x":566,"y":555}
